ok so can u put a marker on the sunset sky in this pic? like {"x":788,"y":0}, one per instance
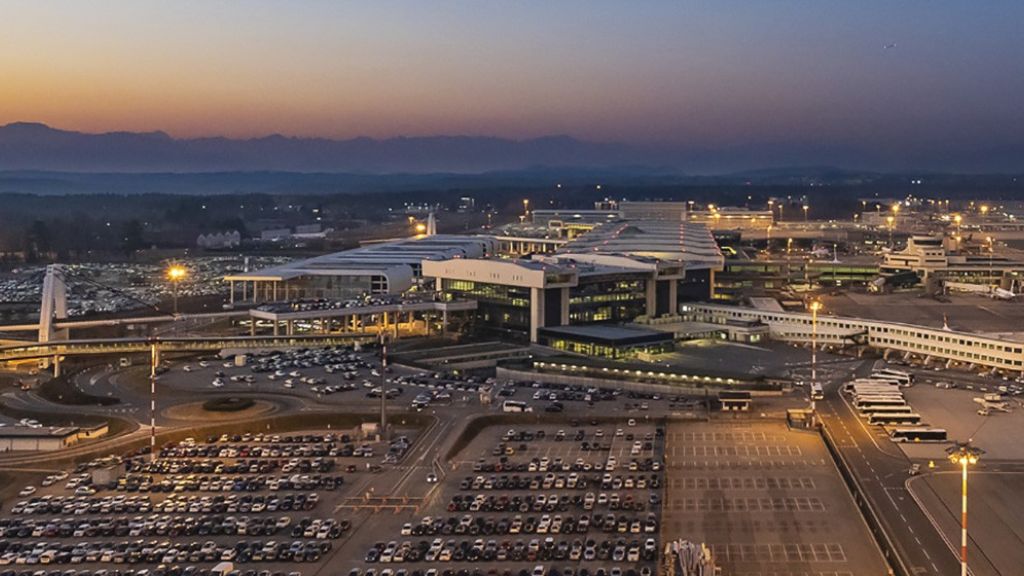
{"x":711,"y":74}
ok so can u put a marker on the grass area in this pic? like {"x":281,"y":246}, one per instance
{"x":228,"y":404}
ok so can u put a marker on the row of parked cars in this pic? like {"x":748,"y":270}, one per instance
{"x":516,"y":550}
{"x":153,"y":552}
{"x":180,"y":504}
{"x":81,"y":505}
{"x":538,"y":570}
{"x":176,"y":465}
{"x":167,"y":525}
{"x":542,"y":524}
{"x":204,"y":483}
{"x":173,"y":570}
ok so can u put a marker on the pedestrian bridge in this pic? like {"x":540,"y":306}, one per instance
{"x":85,"y":347}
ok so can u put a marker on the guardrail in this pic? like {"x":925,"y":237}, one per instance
{"x":882,"y":538}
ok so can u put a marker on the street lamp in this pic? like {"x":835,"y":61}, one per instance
{"x":176,"y":273}
{"x":806,"y":208}
{"x":958,"y":219}
{"x":815,"y":306}
{"x":963,"y":454}
{"x":991,"y":249}
{"x":892,"y":224}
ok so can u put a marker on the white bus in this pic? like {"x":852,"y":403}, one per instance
{"x":918,"y":435}
{"x":515,"y":406}
{"x":855,"y":389}
{"x":817,"y":392}
{"x":887,"y":410}
{"x":904,"y":378}
{"x":877,"y":395}
{"x":865,"y":403}
{"x":869,"y":383}
{"x":883,"y":419}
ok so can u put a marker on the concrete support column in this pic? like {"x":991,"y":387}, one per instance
{"x":277,"y":329}
{"x":289,"y":327}
{"x":652,"y":298}
{"x":252,"y":326}
{"x":444,"y":322}
{"x":673,"y":297}
{"x":275,"y":290}
{"x":536,"y":312}
{"x":56,"y":366}
{"x":245,"y":290}
{"x":231,"y":297}
{"x":564,"y":316}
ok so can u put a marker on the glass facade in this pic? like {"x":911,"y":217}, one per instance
{"x":602,"y":350}
{"x":500,"y":308}
{"x":612,"y":299}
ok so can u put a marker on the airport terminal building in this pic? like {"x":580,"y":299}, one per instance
{"x":617,"y":271}
{"x":936,"y":345}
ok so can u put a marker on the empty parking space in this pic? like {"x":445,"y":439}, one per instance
{"x":766,"y":500}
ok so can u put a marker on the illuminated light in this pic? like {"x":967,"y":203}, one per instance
{"x":176,"y":273}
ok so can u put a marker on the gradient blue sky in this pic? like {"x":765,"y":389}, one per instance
{"x":711,"y":74}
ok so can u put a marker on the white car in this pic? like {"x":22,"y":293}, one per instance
{"x":27,"y":491}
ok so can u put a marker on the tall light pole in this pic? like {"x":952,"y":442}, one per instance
{"x":383,"y":384}
{"x":154,"y":360}
{"x":991,"y":249}
{"x":806,"y":208}
{"x":176,"y":273}
{"x":891,"y":220}
{"x":963,"y":454}
{"x":815,"y":306}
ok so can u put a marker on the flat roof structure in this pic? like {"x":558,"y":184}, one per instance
{"x":610,"y":334}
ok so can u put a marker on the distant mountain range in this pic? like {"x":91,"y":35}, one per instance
{"x":26,"y":146}
{"x":32,"y":146}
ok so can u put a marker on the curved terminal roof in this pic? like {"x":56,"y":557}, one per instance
{"x":690,"y":243}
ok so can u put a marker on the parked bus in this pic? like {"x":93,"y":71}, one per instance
{"x":515,"y":406}
{"x":855,"y":389}
{"x":918,"y":435}
{"x":887,"y":410}
{"x":865,"y":403}
{"x":904,"y":378}
{"x":883,"y":419}
{"x":869,"y":383}
{"x":817,"y":392}
{"x":877,"y":395}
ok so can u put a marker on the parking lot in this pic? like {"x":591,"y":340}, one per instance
{"x":568,"y":499}
{"x":767,"y":500}
{"x":264,"y":502}
{"x":339,"y":375}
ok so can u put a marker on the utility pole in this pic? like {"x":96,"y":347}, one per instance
{"x":154,"y":360}
{"x":383,"y":385}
